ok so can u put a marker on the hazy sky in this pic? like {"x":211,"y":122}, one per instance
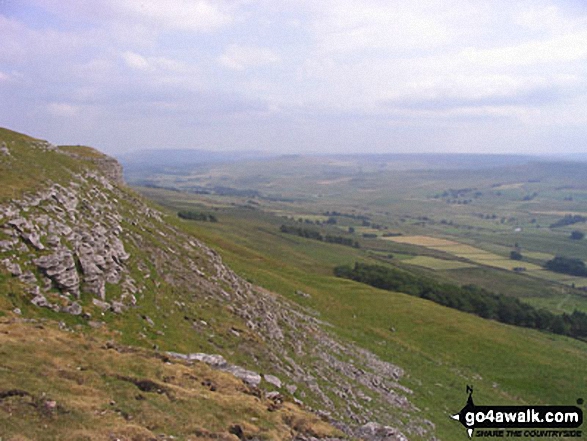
{"x":305,"y":76}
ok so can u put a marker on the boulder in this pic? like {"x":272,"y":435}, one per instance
{"x":73,"y":309}
{"x":272,"y":379}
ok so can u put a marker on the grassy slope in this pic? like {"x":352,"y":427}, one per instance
{"x":42,"y":360}
{"x":75,"y":385}
{"x":441,"y":349}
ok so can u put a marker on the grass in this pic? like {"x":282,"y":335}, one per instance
{"x":75,"y":386}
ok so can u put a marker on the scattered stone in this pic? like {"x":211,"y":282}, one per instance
{"x":291,"y":388}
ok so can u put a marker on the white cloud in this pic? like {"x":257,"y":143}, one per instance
{"x":187,"y":15}
{"x":566,"y":48}
{"x":63,"y":109}
{"x":135,"y":61}
{"x":140,"y":62}
{"x":243,"y":57}
{"x":347,"y":26}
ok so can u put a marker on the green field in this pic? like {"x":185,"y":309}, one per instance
{"x":442,"y":349}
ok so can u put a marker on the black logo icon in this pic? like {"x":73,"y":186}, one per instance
{"x":517,"y":417}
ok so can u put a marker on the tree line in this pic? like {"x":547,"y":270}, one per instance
{"x":316,"y":235}
{"x":567,"y":265}
{"x":468,"y":298}
{"x":196,"y":215}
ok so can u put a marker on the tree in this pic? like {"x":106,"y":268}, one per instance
{"x":577,"y":235}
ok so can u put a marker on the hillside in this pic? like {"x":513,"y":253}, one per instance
{"x":91,"y":273}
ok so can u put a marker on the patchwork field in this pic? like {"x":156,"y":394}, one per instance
{"x":474,"y":255}
{"x":438,"y":264}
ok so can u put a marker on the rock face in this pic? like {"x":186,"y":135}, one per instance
{"x":60,"y":268}
{"x":71,"y":237}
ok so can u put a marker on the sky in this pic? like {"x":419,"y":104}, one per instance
{"x":304,"y":76}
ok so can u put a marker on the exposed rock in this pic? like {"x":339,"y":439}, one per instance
{"x":303,"y":294}
{"x":376,"y":432}
{"x":34,"y":240}
{"x":4,"y":149}
{"x":73,"y":309}
{"x":214,"y":360}
{"x":249,"y":377}
{"x":12,"y":267}
{"x":272,"y":379}
{"x":104,"y":306}
{"x":7,"y":245}
{"x":41,"y":301}
{"x":60,"y":268}
{"x":118,"y":307}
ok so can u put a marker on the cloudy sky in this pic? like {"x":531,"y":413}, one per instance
{"x":297,"y":75}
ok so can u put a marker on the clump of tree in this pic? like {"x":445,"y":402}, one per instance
{"x":302,"y":232}
{"x":569,"y":219}
{"x":516,"y":255}
{"x":316,"y":235}
{"x":468,"y":298}
{"x":567,"y":265}
{"x":197,"y":216}
{"x":347,"y":241}
{"x":577,"y":235}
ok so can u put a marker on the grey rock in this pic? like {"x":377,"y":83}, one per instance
{"x":28,"y":277}
{"x":377,"y":432}
{"x":249,"y":377}
{"x":7,"y":245}
{"x":12,"y":267}
{"x":40,"y":301}
{"x":272,"y":379}
{"x":291,"y":388}
{"x":104,"y":306}
{"x":118,"y":307}
{"x":73,"y":309}
{"x":214,"y":360}
{"x":275,"y":396}
{"x":60,"y":268}
{"x":53,"y":241}
{"x":4,"y":149}
{"x":33,"y":239}
{"x":303,"y":294}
